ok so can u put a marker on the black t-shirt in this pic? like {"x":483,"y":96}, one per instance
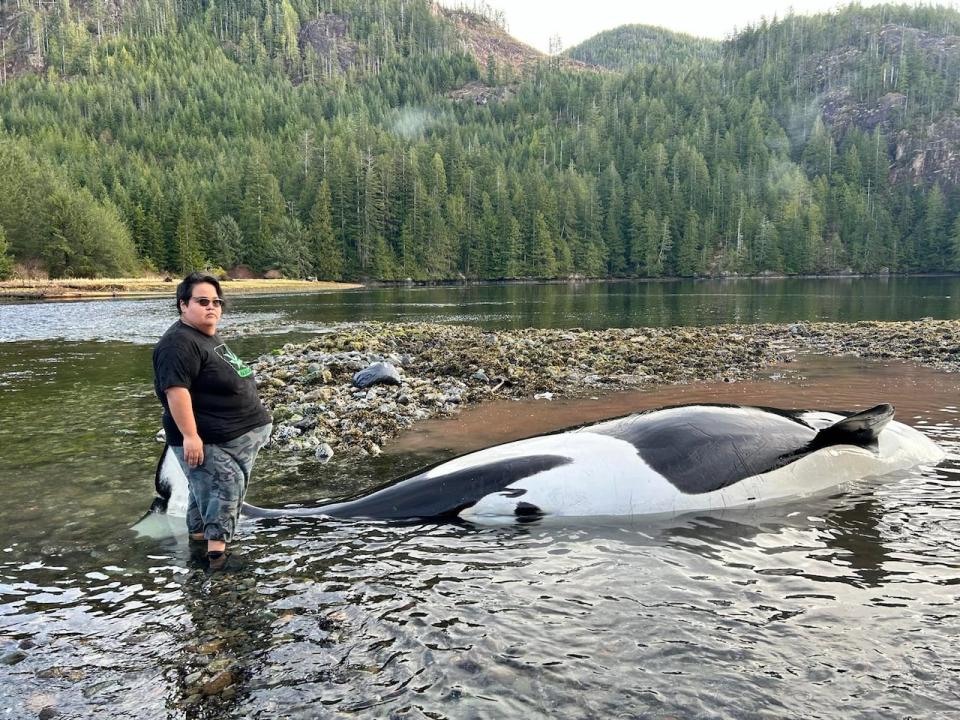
{"x":222,"y":388}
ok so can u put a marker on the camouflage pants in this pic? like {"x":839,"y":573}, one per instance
{"x":219,"y":484}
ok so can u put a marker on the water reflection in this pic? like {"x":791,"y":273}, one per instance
{"x":567,"y":305}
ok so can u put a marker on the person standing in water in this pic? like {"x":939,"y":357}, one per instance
{"x":212,"y":414}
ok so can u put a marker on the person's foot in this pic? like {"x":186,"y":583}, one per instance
{"x":215,"y":546}
{"x":197,"y":547}
{"x":217,"y":561}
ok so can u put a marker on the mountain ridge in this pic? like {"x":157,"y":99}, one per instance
{"x":397,"y":138}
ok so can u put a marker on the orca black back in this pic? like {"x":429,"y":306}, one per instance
{"x":704,"y":448}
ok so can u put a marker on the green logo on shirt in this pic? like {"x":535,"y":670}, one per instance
{"x":235,"y":362}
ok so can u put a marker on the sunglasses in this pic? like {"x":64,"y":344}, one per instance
{"x":204,"y":302}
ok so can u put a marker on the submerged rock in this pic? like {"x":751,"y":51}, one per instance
{"x":13,"y":657}
{"x":323,"y":453}
{"x":212,"y":647}
{"x":218,"y":683}
{"x":193,"y":678}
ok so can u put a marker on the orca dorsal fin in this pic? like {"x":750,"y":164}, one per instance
{"x":861,"y":429}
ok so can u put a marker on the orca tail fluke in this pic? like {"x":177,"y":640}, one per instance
{"x":861,"y":429}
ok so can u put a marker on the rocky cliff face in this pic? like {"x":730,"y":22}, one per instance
{"x":484,"y":39}
{"x":922,"y":151}
{"x":327,"y":37}
{"x":930,"y":153}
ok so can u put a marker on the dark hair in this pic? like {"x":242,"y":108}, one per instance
{"x":185,"y":288}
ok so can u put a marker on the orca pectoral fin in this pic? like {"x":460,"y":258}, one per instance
{"x":157,"y":524}
{"x":861,"y":429}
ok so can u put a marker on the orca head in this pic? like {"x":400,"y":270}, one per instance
{"x":447,"y":489}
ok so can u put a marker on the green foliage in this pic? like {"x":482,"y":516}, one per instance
{"x":868,"y":51}
{"x":319,"y":139}
{"x":227,"y":242}
{"x":6,"y":260}
{"x":191,"y":238}
{"x":86,"y":239}
{"x":327,"y":251}
{"x":954,"y":264}
{"x":630,"y":45}
{"x":293,"y":257}
{"x":64,"y":226}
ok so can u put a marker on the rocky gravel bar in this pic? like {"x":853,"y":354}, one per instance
{"x":430,"y":370}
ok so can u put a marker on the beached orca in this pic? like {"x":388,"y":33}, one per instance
{"x":673,"y":460}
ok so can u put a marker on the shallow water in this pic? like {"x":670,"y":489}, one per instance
{"x":839,"y":606}
{"x":843,"y":605}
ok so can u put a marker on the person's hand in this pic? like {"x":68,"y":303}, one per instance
{"x":192,"y":450}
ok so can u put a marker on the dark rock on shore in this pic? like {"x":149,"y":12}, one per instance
{"x":379,"y":373}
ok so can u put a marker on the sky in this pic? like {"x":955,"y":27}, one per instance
{"x":536,"y":21}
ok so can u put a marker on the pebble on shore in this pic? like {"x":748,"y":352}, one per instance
{"x":316,"y":405}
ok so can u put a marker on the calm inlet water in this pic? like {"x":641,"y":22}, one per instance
{"x":843,"y":605}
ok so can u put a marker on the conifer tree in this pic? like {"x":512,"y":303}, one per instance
{"x":6,"y":260}
{"x":262,"y":212}
{"x":327,"y":252}
{"x":293,"y":256}
{"x":190,"y":239}
{"x":687,"y":247}
{"x":543,"y":260}
{"x":954,"y":248}
{"x":933,"y":231}
{"x":227,"y":242}
{"x":637,"y":240}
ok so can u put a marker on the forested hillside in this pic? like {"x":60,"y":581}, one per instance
{"x":387,"y":139}
{"x":624,"y":47}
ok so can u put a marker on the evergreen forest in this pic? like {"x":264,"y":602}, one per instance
{"x":362,"y":139}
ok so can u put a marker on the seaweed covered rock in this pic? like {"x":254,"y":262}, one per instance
{"x":319,"y":409}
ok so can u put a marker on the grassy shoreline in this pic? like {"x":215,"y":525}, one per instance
{"x":81,"y":288}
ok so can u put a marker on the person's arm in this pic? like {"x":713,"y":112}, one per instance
{"x":181,"y":408}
